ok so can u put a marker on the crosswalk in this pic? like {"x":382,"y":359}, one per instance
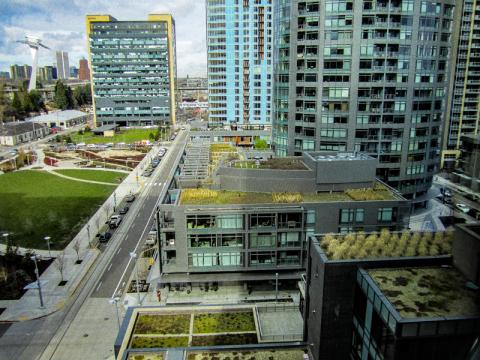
{"x":154,"y":184}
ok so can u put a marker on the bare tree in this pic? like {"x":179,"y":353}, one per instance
{"x":107,"y":207}
{"x":76,"y":247}
{"x":60,"y":264}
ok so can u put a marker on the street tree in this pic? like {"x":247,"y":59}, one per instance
{"x":60,"y":264}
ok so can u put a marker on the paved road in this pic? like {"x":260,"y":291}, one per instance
{"x":40,"y":338}
{"x":137,"y":225}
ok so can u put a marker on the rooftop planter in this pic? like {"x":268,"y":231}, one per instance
{"x":274,"y":164}
{"x":385,"y":244}
{"x":277,"y":354}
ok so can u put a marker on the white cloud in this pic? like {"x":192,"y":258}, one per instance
{"x":61,"y":25}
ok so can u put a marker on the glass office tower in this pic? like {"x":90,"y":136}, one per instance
{"x":133,"y":70}
{"x":366,"y":76}
{"x":239,"y":48}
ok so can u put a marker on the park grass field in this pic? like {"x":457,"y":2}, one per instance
{"x":126,"y":136}
{"x":113,"y":177}
{"x":34,"y":204}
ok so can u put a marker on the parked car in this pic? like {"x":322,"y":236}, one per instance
{"x":448,"y":193}
{"x":104,"y":236}
{"x":183,"y":128}
{"x":147,"y":173}
{"x":124,"y":210}
{"x":130,"y":198}
{"x":115,"y":221}
{"x":109,"y":144}
{"x":82,"y":144}
{"x":91,"y":146}
{"x":151,"y":238}
{"x":462,"y":207}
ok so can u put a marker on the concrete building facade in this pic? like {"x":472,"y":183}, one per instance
{"x":366,"y":76}
{"x":14,"y":133}
{"x":133,"y":70}
{"x":239,"y":53}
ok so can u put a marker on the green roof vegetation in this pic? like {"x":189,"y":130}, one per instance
{"x":146,"y":356}
{"x":144,"y":342}
{"x":162,"y":324}
{"x":427,"y":292}
{"x":360,"y":245}
{"x":274,"y":163}
{"x":203,"y":196}
{"x":254,"y":354}
{"x":205,"y":323}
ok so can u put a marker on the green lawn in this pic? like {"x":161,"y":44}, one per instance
{"x":34,"y":204}
{"x":113,"y":177}
{"x":126,"y":136}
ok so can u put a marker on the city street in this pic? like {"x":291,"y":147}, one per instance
{"x":31,"y":339}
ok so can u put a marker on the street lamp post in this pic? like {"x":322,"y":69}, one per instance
{"x":47,"y":239}
{"x":35,"y":258}
{"x":276,"y":287}
{"x":133,"y":256}
{"x":114,"y":301}
{"x":114,"y":201}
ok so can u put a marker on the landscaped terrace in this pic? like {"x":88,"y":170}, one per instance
{"x":194,"y":328}
{"x":221,"y":197}
{"x":427,"y":292}
{"x":388,"y":244}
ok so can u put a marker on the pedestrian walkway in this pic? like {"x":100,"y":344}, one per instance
{"x":80,"y":180}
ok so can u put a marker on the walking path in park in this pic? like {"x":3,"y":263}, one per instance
{"x":81,"y":180}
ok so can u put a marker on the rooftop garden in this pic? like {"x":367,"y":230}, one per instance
{"x":385,"y":244}
{"x":427,"y":292}
{"x":265,"y":354}
{"x":146,"y":356}
{"x":220,"y":197}
{"x":223,"y":322}
{"x":216,"y":327}
{"x":275,"y":163}
{"x":219,"y":152}
{"x":162,"y":324}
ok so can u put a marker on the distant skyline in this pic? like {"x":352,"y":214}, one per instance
{"x":61,"y":25}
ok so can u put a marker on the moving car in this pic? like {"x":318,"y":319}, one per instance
{"x":124,"y":210}
{"x":462,"y":207}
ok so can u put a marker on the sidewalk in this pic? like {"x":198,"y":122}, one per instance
{"x":55,"y":296}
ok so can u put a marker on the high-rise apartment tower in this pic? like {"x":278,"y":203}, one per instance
{"x":463,"y":117}
{"x":366,"y":76}
{"x":132,"y":66}
{"x":239,"y":48}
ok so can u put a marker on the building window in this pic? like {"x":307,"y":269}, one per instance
{"x":385,"y":214}
{"x":263,"y":258}
{"x":262,"y":240}
{"x":262,"y":220}
{"x":230,"y":221}
{"x":290,"y":239}
{"x":349,"y":216}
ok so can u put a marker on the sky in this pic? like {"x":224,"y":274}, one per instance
{"x":61,"y":26}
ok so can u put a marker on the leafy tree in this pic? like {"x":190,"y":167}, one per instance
{"x":70,"y":101}
{"x":17,"y":104}
{"x":36,"y":100}
{"x":7,"y":112}
{"x":260,"y":144}
{"x":61,"y":97}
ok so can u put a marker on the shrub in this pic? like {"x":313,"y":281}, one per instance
{"x":366,"y":194}
{"x":192,"y":195}
{"x":287,"y":197}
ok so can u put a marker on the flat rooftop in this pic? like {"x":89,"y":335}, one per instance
{"x":274,"y":163}
{"x":194,"y":196}
{"x":427,"y":292}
